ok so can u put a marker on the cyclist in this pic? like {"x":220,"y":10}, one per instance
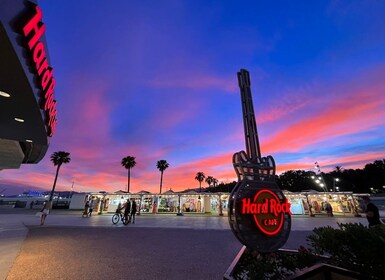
{"x":127,"y":210}
{"x":119,"y":208}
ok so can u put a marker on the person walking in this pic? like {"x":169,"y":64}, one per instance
{"x":372,"y":213}
{"x":86,"y":207}
{"x":127,"y":210}
{"x":91,"y":207}
{"x":133,"y":211}
{"x":45,"y":211}
{"x":329,"y":209}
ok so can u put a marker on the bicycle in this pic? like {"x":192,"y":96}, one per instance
{"x":119,"y":216}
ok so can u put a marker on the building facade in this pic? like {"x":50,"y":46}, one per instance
{"x":27,"y":84}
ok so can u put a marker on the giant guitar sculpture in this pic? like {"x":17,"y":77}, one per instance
{"x":259,"y":214}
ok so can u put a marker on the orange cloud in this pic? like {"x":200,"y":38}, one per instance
{"x":361,"y":111}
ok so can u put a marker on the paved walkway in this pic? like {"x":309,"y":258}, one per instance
{"x":190,"y":231}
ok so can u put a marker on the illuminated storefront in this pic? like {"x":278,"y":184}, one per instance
{"x":149,"y":203}
{"x":343,"y":203}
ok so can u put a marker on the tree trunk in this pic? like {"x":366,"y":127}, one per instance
{"x":128,"y":180}
{"x":161,"y":182}
{"x":54,"y":183}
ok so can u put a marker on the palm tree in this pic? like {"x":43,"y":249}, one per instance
{"x":162,"y":165}
{"x":58,"y":158}
{"x":338,"y":169}
{"x":200,"y":177}
{"x":209,"y":180}
{"x":128,"y":163}
{"x":215,"y":182}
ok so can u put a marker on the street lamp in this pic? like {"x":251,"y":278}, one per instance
{"x":334,"y":184}
{"x":321,"y":178}
{"x":320,"y":182}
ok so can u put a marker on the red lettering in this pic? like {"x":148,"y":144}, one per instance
{"x":50,"y":88}
{"x":34,"y":30}
{"x":38,"y":54}
{"x":275,"y":208}
{"x":52,"y":110}
{"x":48,"y":102}
{"x":46,"y":78}
{"x":34,"y":25}
{"x":265,"y":207}
{"x":278,"y":209}
{"x":246,"y":206}
{"x":52,"y":126}
{"x":268,"y":210}
{"x":287,"y":207}
{"x":270,"y":222}
{"x":43,"y":67}
{"x":49,"y":94}
{"x":259,"y":208}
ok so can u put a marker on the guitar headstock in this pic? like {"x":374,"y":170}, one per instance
{"x":254,"y":168}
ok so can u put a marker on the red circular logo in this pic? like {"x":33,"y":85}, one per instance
{"x":268,"y":211}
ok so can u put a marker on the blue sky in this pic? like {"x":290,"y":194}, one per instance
{"x":157,"y":80}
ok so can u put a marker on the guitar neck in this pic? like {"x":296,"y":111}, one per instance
{"x":250,"y":127}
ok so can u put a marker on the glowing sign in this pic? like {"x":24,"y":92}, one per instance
{"x":33,"y":31}
{"x":268,"y":211}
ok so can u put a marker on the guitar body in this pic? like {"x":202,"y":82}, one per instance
{"x":259,"y":214}
{"x":264,"y":232}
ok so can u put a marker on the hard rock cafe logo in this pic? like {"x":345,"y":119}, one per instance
{"x":33,"y":31}
{"x":268,"y":211}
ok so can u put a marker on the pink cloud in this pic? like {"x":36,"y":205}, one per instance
{"x":347,"y":115}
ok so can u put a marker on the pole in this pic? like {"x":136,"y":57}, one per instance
{"x":322,"y":177}
{"x":220,"y":206}
{"x":72,"y":189}
{"x":179,"y":208}
{"x":140,"y":204}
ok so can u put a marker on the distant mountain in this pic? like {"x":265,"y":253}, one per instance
{"x":10,"y":188}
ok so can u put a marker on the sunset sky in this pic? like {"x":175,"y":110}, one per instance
{"x":157,"y":80}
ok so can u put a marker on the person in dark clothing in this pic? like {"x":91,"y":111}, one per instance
{"x":329,"y":209}
{"x":86,"y":207}
{"x":133,"y":211}
{"x":372,"y":213}
{"x":127,"y":210}
{"x":91,"y":207}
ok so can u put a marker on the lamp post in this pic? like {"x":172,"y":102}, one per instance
{"x":321,"y":178}
{"x":220,"y":205}
{"x":320,"y":181}
{"x":72,"y":189}
{"x":179,"y":207}
{"x":335,"y":180}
